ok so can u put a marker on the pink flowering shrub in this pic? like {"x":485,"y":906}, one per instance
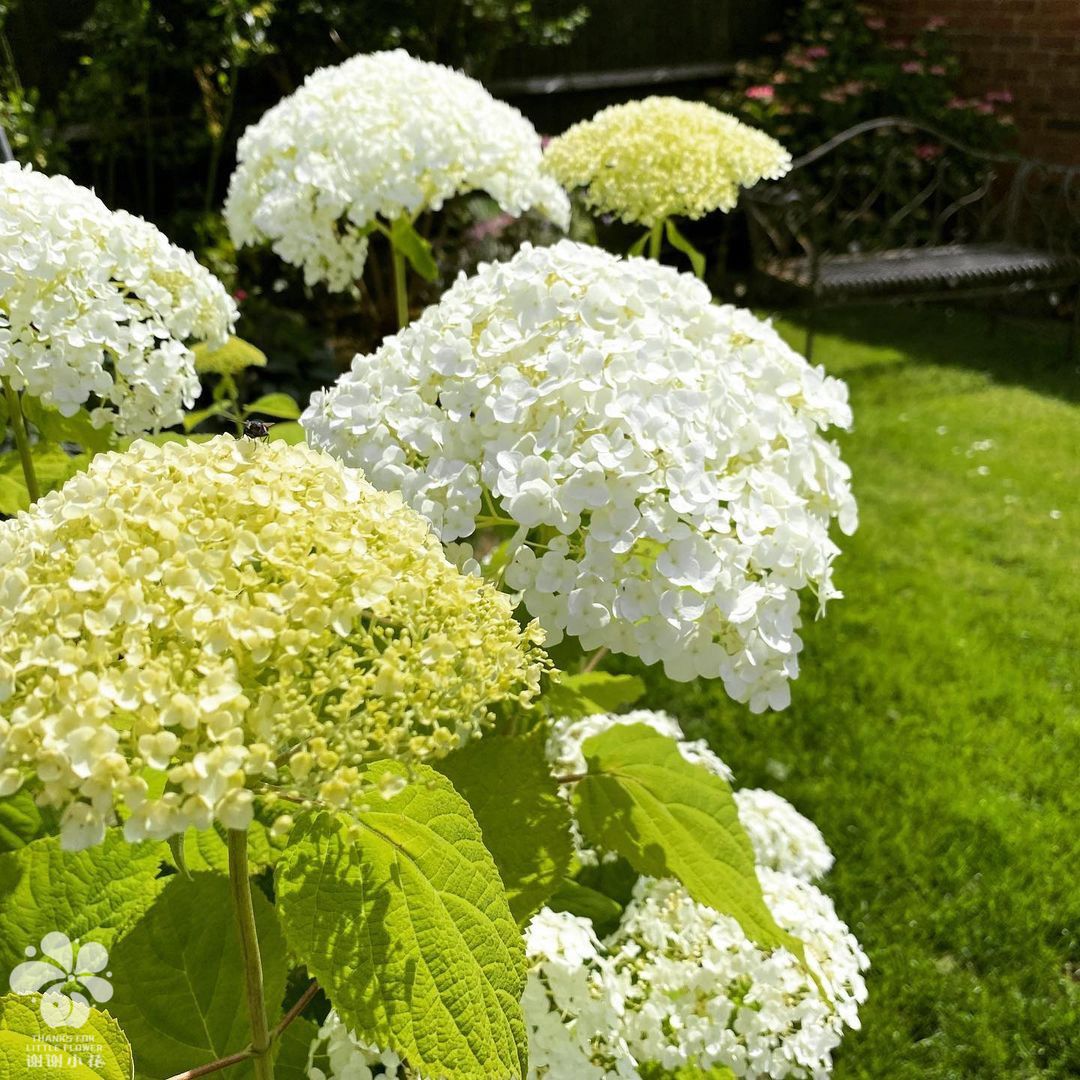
{"x":839,"y":66}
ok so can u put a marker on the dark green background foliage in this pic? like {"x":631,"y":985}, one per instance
{"x":144,"y":99}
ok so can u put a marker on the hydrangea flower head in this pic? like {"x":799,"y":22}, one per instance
{"x":696,"y":993}
{"x":97,"y":306}
{"x":676,"y":984}
{"x":782,"y":838}
{"x":379,"y":136}
{"x":232,"y":615}
{"x":663,"y":157}
{"x":658,"y":462}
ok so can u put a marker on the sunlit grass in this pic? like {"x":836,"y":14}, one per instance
{"x":935,"y":732}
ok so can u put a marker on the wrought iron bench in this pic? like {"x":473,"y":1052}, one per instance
{"x":895,"y":210}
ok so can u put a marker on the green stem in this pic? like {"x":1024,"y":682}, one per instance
{"x":232,"y":393}
{"x":22,"y":440}
{"x":656,"y":237}
{"x":239,"y":879}
{"x":401,"y":288}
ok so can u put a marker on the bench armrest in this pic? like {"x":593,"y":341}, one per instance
{"x":1044,"y":208}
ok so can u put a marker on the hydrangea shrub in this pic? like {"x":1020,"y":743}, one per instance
{"x":242,"y":658}
{"x":675,"y":985}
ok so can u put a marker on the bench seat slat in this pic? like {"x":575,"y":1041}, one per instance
{"x":948,"y":266}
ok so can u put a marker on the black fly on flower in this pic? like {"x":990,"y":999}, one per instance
{"x":257,"y":429}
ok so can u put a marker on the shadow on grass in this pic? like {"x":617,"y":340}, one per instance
{"x":1019,"y":351}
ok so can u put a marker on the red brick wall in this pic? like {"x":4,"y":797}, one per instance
{"x":1029,"y":47}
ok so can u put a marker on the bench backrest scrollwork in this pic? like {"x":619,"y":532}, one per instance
{"x":893,"y":183}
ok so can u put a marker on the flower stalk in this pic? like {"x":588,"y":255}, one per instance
{"x":656,"y":236}
{"x":213,"y":1066}
{"x":401,"y":286}
{"x":240,"y":880}
{"x":22,"y":440}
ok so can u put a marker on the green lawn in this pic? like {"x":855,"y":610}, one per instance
{"x":935,"y":731}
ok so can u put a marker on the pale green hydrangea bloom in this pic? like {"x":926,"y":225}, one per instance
{"x":182,"y":626}
{"x":663,"y":157}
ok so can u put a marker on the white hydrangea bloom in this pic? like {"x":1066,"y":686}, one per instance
{"x":782,"y":838}
{"x":573,"y":1010}
{"x":378,"y":136}
{"x":696,"y":991}
{"x":347,"y":1058}
{"x":97,"y":306}
{"x":658,"y":459}
{"x":680,"y":986}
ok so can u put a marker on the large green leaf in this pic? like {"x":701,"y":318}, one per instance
{"x":670,"y":818}
{"x":400,"y":914}
{"x":589,"y":692}
{"x":289,"y":432}
{"x":163,"y":438}
{"x":74,"y":429}
{"x":198,"y":416}
{"x":207,"y":849}
{"x":613,"y":878}
{"x":95,"y":894}
{"x":32,"y":1050}
{"x":232,"y":357}
{"x":279,"y":405}
{"x":524,"y":820}
{"x":652,"y":1071}
{"x":607,"y":691}
{"x":21,"y":820}
{"x":52,"y":467}
{"x":179,"y":979}
{"x":579,"y":899}
{"x":292,"y":1049}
